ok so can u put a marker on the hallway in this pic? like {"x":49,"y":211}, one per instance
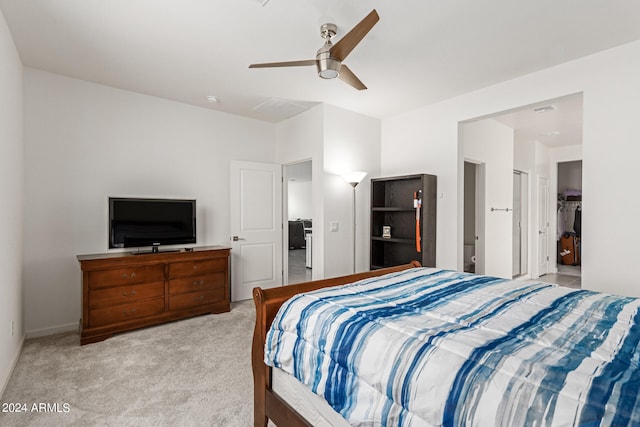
{"x":567,"y":275}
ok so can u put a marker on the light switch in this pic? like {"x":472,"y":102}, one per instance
{"x":333,"y":226}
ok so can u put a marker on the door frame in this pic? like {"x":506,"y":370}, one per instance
{"x":285,"y":217}
{"x":553,"y":206}
{"x":543,"y":222}
{"x":525,"y":267}
{"x":236,"y":203}
{"x":481,"y":241}
{"x":480,"y":217}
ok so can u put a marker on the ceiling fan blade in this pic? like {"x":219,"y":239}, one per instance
{"x":284,"y":64}
{"x":346,"y":44}
{"x":347,"y":76}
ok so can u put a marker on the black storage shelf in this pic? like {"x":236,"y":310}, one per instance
{"x":392,"y":209}
{"x":392,"y":205}
{"x":394,"y":240}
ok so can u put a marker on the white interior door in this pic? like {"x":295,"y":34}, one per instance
{"x":517,"y":224}
{"x":543,"y":226}
{"x":256,"y":227}
{"x":480,"y":267}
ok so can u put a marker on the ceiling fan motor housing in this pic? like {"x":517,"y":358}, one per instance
{"x":328,"y":67}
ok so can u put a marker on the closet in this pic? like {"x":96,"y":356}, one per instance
{"x":569,"y":216}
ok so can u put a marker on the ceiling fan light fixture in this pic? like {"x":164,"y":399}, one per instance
{"x":328,"y":68}
{"x":328,"y":74}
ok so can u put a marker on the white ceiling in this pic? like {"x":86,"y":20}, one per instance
{"x":554,"y":122}
{"x":420,"y":52}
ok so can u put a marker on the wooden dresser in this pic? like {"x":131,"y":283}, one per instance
{"x":122,"y":291}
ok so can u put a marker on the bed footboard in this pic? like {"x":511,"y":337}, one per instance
{"x":267,"y":405}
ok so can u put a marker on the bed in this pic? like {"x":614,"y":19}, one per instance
{"x":413,"y":346}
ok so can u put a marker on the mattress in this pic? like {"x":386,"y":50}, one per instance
{"x":428,"y":347}
{"x":312,"y":407}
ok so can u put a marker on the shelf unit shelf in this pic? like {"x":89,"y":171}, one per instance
{"x":392,"y":209}
{"x":394,"y":240}
{"x":392,"y":205}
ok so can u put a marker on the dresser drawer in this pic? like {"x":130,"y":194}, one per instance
{"x":125,"y":276}
{"x":124,"y":312}
{"x":197,"y":283}
{"x":194,"y":299}
{"x":193,"y":268}
{"x":124,"y":294}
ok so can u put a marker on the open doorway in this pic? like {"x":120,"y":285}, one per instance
{"x":299,"y":229}
{"x":473,"y":259}
{"x":520,"y":223}
{"x":542,"y":135}
{"x":569,"y":219}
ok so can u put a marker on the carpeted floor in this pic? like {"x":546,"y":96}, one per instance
{"x":192,"y":372}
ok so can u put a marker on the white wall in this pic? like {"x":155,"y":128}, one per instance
{"x":523,"y":155}
{"x":337,"y":141}
{"x":352,"y":143}
{"x":85,"y":142}
{"x":491,"y":143}
{"x":421,"y":142}
{"x":426,"y":140}
{"x":300,"y":200}
{"x":524,"y":161}
{"x":542,"y":169}
{"x":301,"y":138}
{"x":11,"y":194}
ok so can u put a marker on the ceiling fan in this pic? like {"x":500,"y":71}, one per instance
{"x":330,"y":56}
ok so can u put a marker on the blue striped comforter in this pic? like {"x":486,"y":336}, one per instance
{"x":430,"y":347}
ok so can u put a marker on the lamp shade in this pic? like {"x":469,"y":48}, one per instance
{"x":354,"y":178}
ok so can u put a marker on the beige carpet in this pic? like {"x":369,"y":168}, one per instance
{"x":195,"y":372}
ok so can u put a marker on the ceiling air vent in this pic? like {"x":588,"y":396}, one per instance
{"x":545,"y":109}
{"x":280,"y":109}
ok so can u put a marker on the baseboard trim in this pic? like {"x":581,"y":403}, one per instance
{"x":69,"y":327}
{"x":13,"y":367}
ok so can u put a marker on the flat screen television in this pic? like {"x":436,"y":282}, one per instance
{"x":139,"y":222}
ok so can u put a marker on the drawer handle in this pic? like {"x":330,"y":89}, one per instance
{"x":129,"y":313}
{"x":127,"y":276}
{"x":133,"y":292}
{"x":200,"y":298}
{"x":195,"y":267}
{"x":200,"y":283}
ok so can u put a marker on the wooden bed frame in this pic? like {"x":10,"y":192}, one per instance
{"x":267,"y":404}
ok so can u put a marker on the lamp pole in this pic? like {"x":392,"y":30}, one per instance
{"x":354,"y":178}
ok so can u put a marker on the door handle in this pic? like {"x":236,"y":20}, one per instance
{"x":236,"y":238}
{"x":540,"y":232}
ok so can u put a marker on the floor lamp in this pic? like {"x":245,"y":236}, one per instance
{"x":354,"y":178}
